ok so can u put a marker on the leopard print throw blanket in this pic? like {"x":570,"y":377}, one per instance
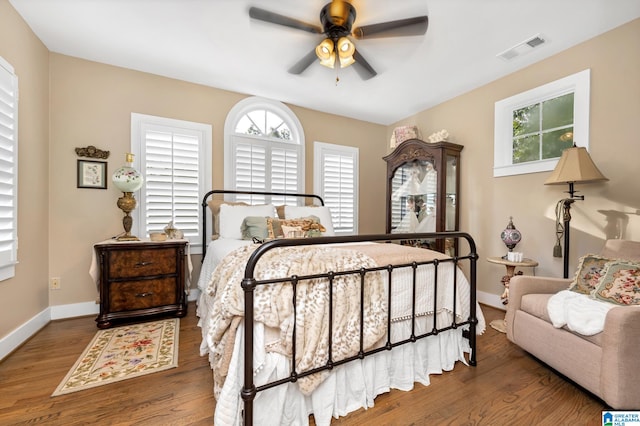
{"x":274,"y":308}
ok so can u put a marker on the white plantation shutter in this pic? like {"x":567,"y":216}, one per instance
{"x":336,"y":181}
{"x":8,"y":170}
{"x":284,"y":170}
{"x":260,"y":164}
{"x":250,"y":168}
{"x":173,"y":160}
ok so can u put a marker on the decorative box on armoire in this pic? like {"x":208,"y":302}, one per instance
{"x":423,"y":183}
{"x":139,"y":280}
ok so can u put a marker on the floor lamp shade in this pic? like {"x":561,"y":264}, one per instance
{"x":575,"y":165}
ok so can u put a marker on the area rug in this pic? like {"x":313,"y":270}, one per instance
{"x":122,"y":353}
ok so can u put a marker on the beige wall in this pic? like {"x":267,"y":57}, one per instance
{"x":91,"y":104}
{"x":26,"y":295}
{"x":487,"y":202}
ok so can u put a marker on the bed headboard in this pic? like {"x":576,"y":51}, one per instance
{"x":224,"y":192}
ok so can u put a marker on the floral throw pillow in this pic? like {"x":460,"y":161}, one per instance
{"x":589,"y":272}
{"x":279,"y":228}
{"x":620,"y":284}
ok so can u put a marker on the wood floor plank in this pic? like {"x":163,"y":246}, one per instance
{"x":507,"y":387}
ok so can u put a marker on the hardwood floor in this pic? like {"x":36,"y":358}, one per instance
{"x":507,"y":387}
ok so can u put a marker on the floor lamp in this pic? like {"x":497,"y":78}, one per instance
{"x":575,"y":166}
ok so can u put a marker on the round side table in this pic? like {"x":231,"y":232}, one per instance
{"x":511,"y":271}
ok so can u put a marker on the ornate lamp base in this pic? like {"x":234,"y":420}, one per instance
{"x":127,"y":203}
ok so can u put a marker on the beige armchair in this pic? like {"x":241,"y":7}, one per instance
{"x":605,"y":363}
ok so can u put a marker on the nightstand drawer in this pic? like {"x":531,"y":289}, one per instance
{"x":132,"y":295}
{"x":141,"y":263}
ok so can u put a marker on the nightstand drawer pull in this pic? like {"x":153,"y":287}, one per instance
{"x":145,"y":294}
{"x":143,"y":264}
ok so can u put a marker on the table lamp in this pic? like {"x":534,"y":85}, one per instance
{"x":128,"y":180}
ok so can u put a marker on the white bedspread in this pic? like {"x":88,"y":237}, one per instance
{"x":353,"y":385}
{"x":216,"y":250}
{"x":579,"y":312}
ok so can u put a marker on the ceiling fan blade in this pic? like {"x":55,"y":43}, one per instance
{"x":400,"y":28}
{"x":275,"y":18}
{"x":304,"y":63}
{"x":362,"y":67}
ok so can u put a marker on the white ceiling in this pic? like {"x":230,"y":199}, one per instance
{"x":215,"y":43}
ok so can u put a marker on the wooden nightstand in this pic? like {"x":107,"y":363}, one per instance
{"x":140,"y":279}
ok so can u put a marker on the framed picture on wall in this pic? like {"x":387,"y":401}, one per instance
{"x":92,"y":174}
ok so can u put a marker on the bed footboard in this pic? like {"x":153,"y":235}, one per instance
{"x":250,"y":283}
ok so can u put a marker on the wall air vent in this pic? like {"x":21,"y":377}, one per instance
{"x":523,"y":47}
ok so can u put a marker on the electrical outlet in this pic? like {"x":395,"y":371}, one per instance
{"x":54,"y":284}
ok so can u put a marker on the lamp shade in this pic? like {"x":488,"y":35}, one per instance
{"x":410,"y":187}
{"x":126,"y":178}
{"x":324,"y":52}
{"x":346,"y":49}
{"x":575,"y":165}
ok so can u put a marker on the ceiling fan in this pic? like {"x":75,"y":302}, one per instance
{"x":337,"y":20}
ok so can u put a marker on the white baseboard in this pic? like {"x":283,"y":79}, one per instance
{"x":74,"y":310}
{"x":489,"y":299}
{"x":17,"y":337}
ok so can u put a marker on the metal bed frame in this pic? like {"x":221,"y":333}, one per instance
{"x":250,"y":283}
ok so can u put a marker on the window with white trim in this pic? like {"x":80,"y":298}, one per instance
{"x":336,"y":181}
{"x":264,"y":150}
{"x":174,"y":157}
{"x":534,"y":127}
{"x":8,"y":170}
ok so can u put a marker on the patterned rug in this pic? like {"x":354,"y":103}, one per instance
{"x":124,"y":352}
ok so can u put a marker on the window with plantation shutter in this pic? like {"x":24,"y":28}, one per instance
{"x":264,"y":151}
{"x":336,"y":181}
{"x":174,"y":157}
{"x":8,"y":170}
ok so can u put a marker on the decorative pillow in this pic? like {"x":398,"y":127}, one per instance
{"x":620,"y":283}
{"x":292,"y":231}
{"x":231,"y":217}
{"x":279,"y":228}
{"x":254,"y":226}
{"x":589,"y":272}
{"x":321,"y":212}
{"x":280,"y":211}
{"x":214,"y":206}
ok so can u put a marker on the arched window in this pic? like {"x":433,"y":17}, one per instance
{"x":263,"y":150}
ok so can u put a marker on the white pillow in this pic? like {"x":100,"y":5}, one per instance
{"x":231,"y":217}
{"x":321,"y":212}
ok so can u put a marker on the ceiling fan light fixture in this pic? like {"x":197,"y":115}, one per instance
{"x":324,"y":52}
{"x":346,"y":49}
{"x":337,"y":19}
